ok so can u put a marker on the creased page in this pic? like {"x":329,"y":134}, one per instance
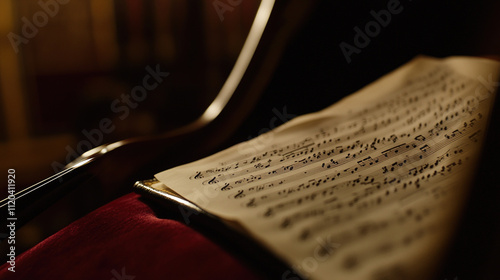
{"x":368,"y":188}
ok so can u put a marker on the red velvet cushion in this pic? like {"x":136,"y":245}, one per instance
{"x":124,"y":239}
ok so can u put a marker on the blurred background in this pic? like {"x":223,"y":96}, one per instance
{"x":63,"y":75}
{"x":64,"y":63}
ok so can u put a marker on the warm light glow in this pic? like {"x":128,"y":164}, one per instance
{"x":246,"y":54}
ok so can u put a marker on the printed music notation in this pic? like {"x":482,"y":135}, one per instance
{"x":382,"y":179}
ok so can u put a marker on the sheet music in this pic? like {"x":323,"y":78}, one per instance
{"x":368,"y":188}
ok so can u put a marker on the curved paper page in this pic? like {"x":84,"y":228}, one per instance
{"x":368,"y":188}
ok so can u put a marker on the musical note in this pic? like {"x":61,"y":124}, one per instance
{"x":198,"y":175}
{"x":368,"y":161}
{"x":240,"y":194}
{"x":226,"y":187}
{"x":213,"y":181}
{"x":420,"y":138}
{"x":475,"y":136}
{"x":425,"y":148}
{"x":394,"y":150}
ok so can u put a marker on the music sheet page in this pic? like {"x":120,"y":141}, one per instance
{"x":368,"y":188}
